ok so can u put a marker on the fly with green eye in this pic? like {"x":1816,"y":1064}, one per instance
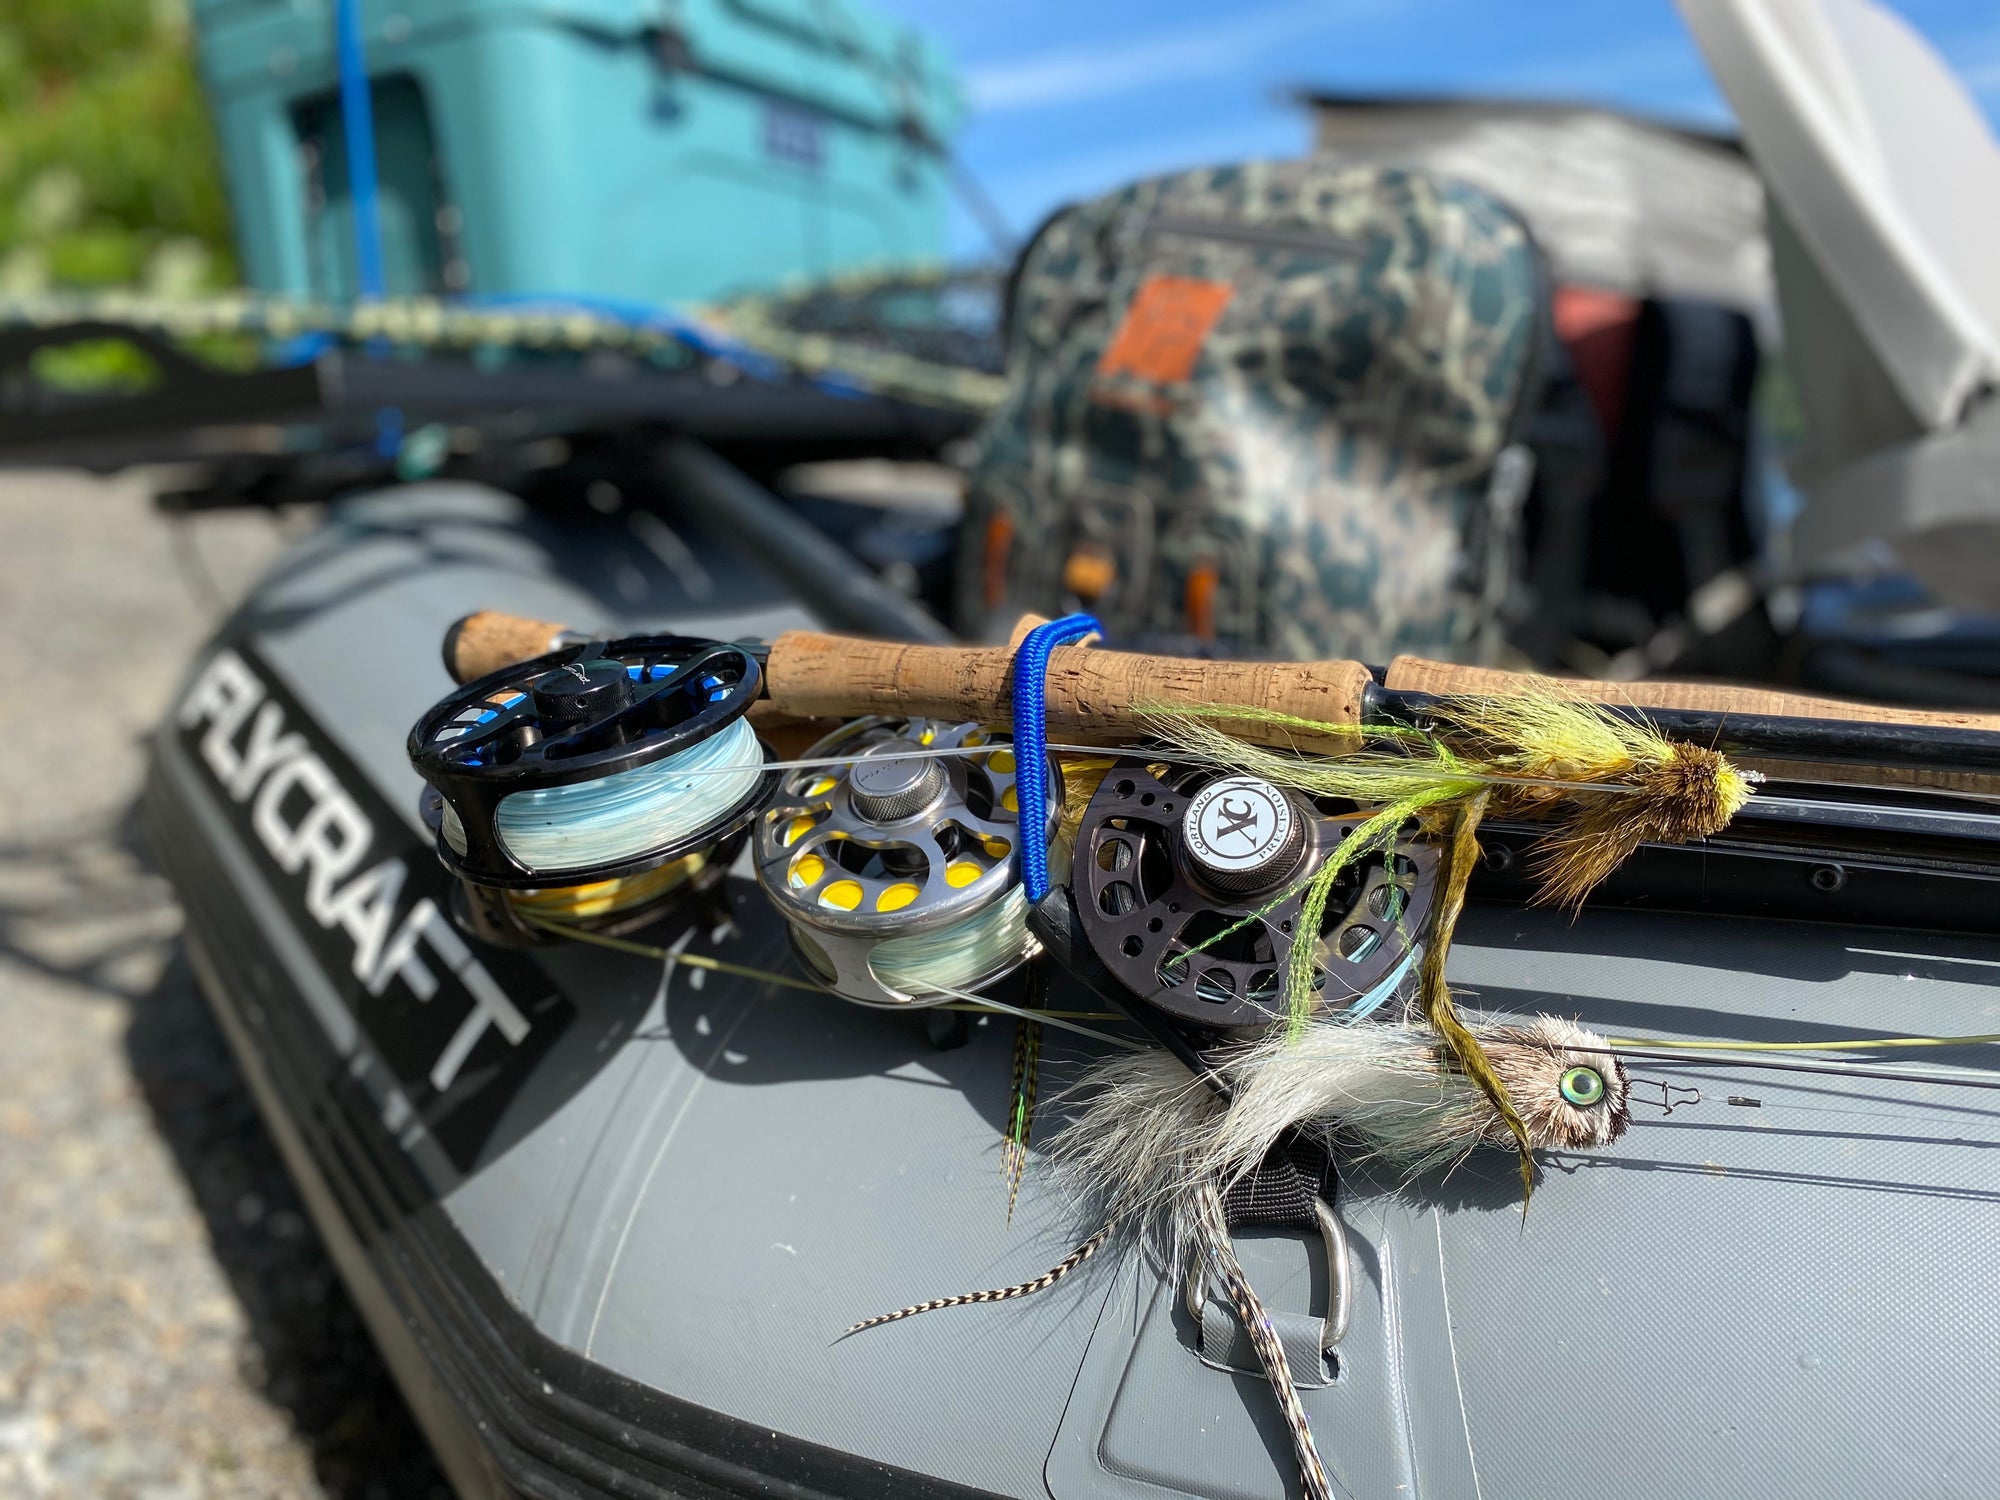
{"x":1156,"y":1149}
{"x":1383,"y":1093}
{"x":1582,"y":1086}
{"x":1570,"y":1089}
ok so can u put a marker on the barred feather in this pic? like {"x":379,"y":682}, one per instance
{"x":1041,"y":1283}
{"x":1027,"y":1081}
{"x":1221,"y":1253}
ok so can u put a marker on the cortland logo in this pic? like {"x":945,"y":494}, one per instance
{"x":1243,"y":821}
{"x":309,"y":824}
{"x":1237,"y":824}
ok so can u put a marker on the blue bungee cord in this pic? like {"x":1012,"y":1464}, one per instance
{"x":1031,"y":741}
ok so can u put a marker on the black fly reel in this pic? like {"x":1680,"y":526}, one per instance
{"x":1169,"y":859}
{"x":589,"y":785}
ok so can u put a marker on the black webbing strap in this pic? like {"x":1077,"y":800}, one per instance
{"x":1283,"y":1189}
{"x":1282,"y":1193}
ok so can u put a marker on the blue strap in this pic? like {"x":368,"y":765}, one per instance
{"x":357,"y":117}
{"x":1031,"y":742}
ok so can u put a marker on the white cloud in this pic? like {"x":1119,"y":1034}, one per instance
{"x":1103,"y":69}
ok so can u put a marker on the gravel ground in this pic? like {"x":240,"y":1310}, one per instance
{"x":170,"y":1325}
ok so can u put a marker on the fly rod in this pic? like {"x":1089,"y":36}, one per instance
{"x":1105,"y":697}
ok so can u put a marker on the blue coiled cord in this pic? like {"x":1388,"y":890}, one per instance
{"x":1031,"y":742}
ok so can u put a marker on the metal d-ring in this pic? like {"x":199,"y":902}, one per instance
{"x":1339,"y":1299}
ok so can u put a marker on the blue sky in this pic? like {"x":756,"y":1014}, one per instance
{"x":1070,"y":97}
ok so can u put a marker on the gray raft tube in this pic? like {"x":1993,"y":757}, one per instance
{"x":733,"y":509}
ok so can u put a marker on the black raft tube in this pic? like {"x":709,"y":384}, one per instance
{"x":735,"y":510}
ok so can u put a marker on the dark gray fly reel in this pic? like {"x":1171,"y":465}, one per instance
{"x":1170,"y":859}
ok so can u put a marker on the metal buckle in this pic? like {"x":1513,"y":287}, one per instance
{"x":1340,"y":1303}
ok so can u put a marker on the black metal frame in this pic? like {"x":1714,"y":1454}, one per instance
{"x":201,"y":412}
{"x":1864,"y":857}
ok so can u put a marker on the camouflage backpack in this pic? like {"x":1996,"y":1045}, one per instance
{"x":1260,"y":405}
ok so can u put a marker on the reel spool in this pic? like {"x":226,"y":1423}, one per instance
{"x":899,"y":876}
{"x":559,"y":787}
{"x":1168,"y":857}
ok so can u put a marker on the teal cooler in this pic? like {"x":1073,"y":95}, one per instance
{"x":630,"y":149}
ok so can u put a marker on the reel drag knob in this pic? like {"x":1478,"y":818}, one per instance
{"x":580,"y":691}
{"x":889,"y":784}
{"x":1242,"y":835}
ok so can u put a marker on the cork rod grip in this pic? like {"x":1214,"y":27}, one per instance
{"x":488,"y":639}
{"x":1093,"y":696}
{"x":1413,"y":674}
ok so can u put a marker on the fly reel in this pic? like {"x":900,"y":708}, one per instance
{"x":1189,"y":883}
{"x":898,"y":875}
{"x":591,"y":785}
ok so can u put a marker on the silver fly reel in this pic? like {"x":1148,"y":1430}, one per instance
{"x":899,"y":875}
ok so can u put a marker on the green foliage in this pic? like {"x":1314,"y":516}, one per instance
{"x":102,"y":365}
{"x":108,"y":166}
